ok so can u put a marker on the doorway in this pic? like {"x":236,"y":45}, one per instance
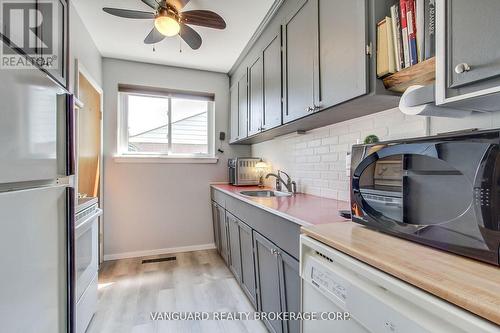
{"x":89,"y":141}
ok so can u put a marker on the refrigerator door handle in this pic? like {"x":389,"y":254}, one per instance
{"x":68,"y":181}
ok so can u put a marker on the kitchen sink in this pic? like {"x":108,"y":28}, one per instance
{"x":265,"y":194}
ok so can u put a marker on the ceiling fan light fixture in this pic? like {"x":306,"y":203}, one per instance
{"x":167,"y":25}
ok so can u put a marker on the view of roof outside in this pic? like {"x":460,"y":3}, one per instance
{"x":148,"y":125}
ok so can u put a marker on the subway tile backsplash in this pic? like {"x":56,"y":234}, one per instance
{"x":317,"y":160}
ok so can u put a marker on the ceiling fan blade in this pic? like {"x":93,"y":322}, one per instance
{"x":151,"y":3}
{"x":178,"y":4}
{"x":154,"y":37}
{"x":204,"y":18}
{"x":132,"y":14}
{"x":191,"y":37}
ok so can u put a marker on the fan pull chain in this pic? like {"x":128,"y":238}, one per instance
{"x":180,"y":45}
{"x":154,"y":48}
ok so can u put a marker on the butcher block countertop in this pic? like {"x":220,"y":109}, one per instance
{"x":467,"y":283}
{"x":303,"y":209}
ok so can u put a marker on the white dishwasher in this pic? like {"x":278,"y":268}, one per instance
{"x":375,"y":301}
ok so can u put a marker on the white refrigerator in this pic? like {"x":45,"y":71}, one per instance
{"x":36,"y":204}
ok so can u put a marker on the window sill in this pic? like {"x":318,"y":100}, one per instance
{"x":165,"y":159}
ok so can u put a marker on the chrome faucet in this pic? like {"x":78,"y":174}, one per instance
{"x":290,"y":185}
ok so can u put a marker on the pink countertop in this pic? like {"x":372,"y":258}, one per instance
{"x":304,"y":209}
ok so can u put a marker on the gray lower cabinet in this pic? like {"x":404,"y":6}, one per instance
{"x":272,"y":83}
{"x":267,"y":274}
{"x":234,"y":245}
{"x":300,"y":75}
{"x":290,"y":289}
{"x":247,"y":263}
{"x":343,"y":62}
{"x":216,"y":225}
{"x":223,"y":227}
{"x":268,"y":280}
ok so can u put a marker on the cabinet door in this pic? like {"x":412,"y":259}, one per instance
{"x":256,"y":96}
{"x":234,"y":114}
{"x":342,"y":53}
{"x":290,"y":289}
{"x":247,"y":263}
{"x":234,"y":246}
{"x":55,"y":41}
{"x":466,"y":20}
{"x":272,"y":84}
{"x":471,"y":29}
{"x":224,"y":245}
{"x":243,"y":107}
{"x":268,"y":280}
{"x":216,"y":222}
{"x":301,"y":61}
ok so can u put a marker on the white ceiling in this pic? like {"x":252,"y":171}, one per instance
{"x":123,"y":38}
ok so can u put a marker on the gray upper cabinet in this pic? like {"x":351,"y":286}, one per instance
{"x":301,"y":74}
{"x":268,"y":277}
{"x":235,"y":122}
{"x":234,"y":245}
{"x":256,"y":96}
{"x":342,"y":51}
{"x":468,"y":58}
{"x":243,"y":107}
{"x":290,"y":289}
{"x":247,"y":263}
{"x":272,"y":83}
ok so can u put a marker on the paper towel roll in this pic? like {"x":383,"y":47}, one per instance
{"x":419,"y":101}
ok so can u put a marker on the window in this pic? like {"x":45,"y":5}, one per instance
{"x":155,"y":122}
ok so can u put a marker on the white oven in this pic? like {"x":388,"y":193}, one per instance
{"x":86,"y":264}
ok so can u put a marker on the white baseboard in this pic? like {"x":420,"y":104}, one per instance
{"x":136,"y":254}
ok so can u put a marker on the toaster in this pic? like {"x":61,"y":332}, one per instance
{"x":242,"y":171}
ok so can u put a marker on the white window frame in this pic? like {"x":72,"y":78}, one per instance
{"x":124,"y":155}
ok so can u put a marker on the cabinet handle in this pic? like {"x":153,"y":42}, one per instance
{"x":462,"y":68}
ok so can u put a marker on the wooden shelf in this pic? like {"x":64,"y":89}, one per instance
{"x":423,"y":73}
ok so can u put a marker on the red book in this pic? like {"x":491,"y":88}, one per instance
{"x":404,"y":32}
{"x":412,"y":30}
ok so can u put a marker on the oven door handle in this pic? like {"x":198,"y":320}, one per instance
{"x":87,"y":222}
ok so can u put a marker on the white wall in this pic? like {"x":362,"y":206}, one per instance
{"x":316,"y":160}
{"x":82,"y":47}
{"x":152,"y":207}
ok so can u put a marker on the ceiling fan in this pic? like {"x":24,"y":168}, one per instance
{"x":170,"y":21}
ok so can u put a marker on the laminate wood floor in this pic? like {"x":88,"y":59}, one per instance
{"x":197,"y":281}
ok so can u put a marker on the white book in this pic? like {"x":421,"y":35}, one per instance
{"x":420,"y":17}
{"x":396,"y":35}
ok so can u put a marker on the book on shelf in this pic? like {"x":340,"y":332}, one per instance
{"x":412,"y":31}
{"x":420,"y":19}
{"x":386,"y":55}
{"x":404,"y":33}
{"x":429,"y":29}
{"x":397,"y":38}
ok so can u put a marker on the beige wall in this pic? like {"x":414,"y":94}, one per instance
{"x":151,"y":207}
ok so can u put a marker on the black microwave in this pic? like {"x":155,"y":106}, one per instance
{"x":442,"y":191}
